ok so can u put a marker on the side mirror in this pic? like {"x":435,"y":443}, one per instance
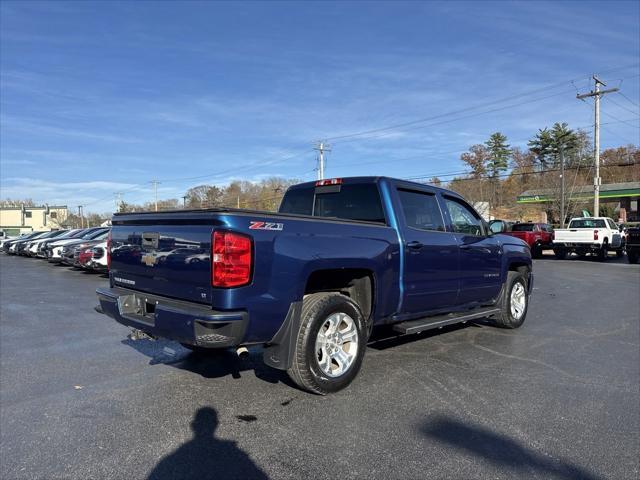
{"x":495,"y":227}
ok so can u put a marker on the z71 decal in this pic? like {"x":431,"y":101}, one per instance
{"x":265,"y":226}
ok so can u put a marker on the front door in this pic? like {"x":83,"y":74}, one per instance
{"x":480,"y":254}
{"x":430,"y":254}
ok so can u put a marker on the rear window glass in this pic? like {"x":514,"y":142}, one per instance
{"x":523,"y":228}
{"x":352,"y":202}
{"x":587,"y":223}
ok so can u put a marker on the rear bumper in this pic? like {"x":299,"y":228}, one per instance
{"x":184,"y":322}
{"x":584,"y":246}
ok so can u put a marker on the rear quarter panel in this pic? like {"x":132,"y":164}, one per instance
{"x":284,"y":261}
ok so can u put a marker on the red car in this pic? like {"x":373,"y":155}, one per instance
{"x":537,"y":235}
{"x":85,"y":256}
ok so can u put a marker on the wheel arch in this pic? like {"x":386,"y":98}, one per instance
{"x":356,"y":283}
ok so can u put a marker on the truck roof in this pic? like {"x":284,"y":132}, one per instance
{"x":376,"y":179}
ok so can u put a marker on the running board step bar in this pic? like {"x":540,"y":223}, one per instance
{"x":428,"y":323}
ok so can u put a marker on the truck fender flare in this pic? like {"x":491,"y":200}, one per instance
{"x":278,"y":352}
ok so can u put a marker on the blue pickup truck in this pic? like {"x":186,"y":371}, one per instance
{"x":310,"y":282}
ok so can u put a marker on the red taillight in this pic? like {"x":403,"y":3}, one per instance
{"x":595,"y":234}
{"x":109,"y":251}
{"x":329,"y":181}
{"x":230,"y":259}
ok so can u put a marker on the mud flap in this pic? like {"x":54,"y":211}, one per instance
{"x":278,"y":353}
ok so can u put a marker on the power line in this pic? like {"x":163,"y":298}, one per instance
{"x":442,"y":122}
{"x":628,"y":99}
{"x":455,"y":112}
{"x":515,"y":174}
{"x":635,"y":112}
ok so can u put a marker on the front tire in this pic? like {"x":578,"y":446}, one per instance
{"x":515,"y":301}
{"x":330,"y":344}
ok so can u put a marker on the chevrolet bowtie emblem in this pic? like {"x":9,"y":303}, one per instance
{"x":149,"y":260}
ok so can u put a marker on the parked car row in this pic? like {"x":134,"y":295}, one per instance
{"x":83,"y":248}
{"x":584,"y":236}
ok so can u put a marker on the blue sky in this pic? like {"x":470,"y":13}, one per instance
{"x":104,"y":97}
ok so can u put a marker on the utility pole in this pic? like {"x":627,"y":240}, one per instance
{"x":155,"y":188}
{"x":596,"y":93}
{"x":562,"y":214}
{"x":184,"y":201}
{"x":322,"y":147}
{"x":118,"y":200}
{"x":81,"y":215}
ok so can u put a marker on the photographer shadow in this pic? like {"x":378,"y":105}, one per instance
{"x":205,"y":456}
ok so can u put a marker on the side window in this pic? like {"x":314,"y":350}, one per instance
{"x":464,"y":219}
{"x":612,"y":225}
{"x":421,"y":210}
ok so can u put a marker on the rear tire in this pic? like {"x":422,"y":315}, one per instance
{"x":515,"y":301}
{"x":560,"y":253}
{"x":536,"y":251}
{"x":603,"y":252}
{"x":330,"y":344}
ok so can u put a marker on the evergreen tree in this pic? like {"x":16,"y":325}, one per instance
{"x":546,"y":144}
{"x":499,"y":154}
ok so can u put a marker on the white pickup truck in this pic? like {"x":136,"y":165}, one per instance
{"x":595,"y":235}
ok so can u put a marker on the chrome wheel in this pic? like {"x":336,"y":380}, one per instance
{"x":337,"y":344}
{"x":518,"y":301}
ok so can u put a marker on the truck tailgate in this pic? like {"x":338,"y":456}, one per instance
{"x":574,"y":235}
{"x":162,"y":258}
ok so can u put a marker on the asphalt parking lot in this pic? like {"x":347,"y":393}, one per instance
{"x":558,"y":398}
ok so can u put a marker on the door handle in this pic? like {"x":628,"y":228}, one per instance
{"x":415,"y":245}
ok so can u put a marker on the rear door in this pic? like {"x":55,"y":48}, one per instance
{"x":430,"y":254}
{"x":480,"y":253}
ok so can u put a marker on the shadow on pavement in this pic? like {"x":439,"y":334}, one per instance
{"x":501,"y":450}
{"x":205,"y":456}
{"x":214,"y":364}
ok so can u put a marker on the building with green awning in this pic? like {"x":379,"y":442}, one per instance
{"x":626,"y":195}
